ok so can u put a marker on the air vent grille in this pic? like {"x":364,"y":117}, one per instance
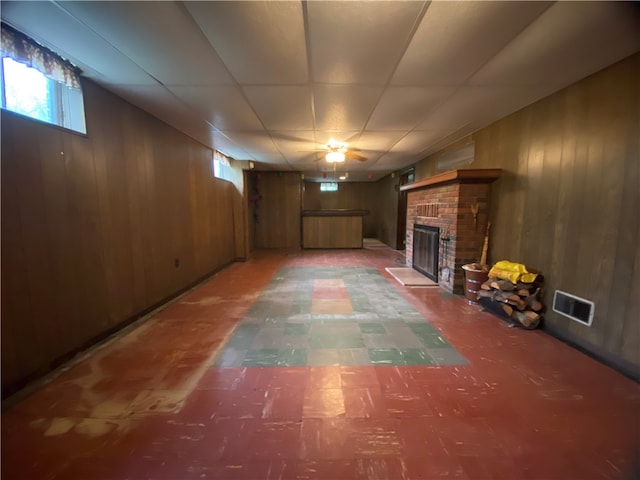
{"x":573,"y":307}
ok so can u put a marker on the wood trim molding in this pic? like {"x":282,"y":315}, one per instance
{"x":484,"y":175}
{"x":336,"y":212}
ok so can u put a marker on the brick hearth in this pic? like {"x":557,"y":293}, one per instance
{"x":447,"y":201}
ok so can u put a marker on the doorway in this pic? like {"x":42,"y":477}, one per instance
{"x":401,"y":231}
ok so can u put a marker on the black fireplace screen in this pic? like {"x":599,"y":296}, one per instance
{"x":425,"y":250}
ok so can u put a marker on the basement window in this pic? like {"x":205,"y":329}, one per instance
{"x":37,"y":83}
{"x":222,"y":166}
{"x":328,"y":187}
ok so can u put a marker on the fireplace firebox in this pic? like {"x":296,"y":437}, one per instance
{"x":425,"y":250}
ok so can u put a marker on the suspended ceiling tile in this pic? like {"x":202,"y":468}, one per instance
{"x":402,"y":108}
{"x":376,"y":141}
{"x":352,"y":168}
{"x":271,"y":159}
{"x":282,"y":108}
{"x":63,"y":34}
{"x":412,"y":143}
{"x":306,"y":161}
{"x":498,"y":102}
{"x":225,"y":145}
{"x":462,"y":108}
{"x":256,"y":144}
{"x":395,"y":161}
{"x":341,"y":107}
{"x":293,"y":138}
{"x":568,"y":42}
{"x":479,"y":106}
{"x":159,"y":102}
{"x":294,"y":144}
{"x":431,"y":136}
{"x":453,"y":137}
{"x":456,"y":38}
{"x":162,"y":39}
{"x":225,"y":107}
{"x":371,"y":156}
{"x":260,"y":42}
{"x":360,"y":41}
{"x":324,"y":137}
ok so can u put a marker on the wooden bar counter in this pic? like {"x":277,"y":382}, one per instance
{"x":340,"y":228}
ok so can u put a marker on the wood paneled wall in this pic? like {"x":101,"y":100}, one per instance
{"x":97,"y":229}
{"x":275,"y":208}
{"x":567,"y":203}
{"x":350,"y":195}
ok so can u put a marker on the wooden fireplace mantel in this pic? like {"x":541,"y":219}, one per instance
{"x":478,"y":175}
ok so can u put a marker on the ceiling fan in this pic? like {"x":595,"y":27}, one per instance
{"x":337,"y":152}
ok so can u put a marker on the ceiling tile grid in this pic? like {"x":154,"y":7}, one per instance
{"x":275,"y":81}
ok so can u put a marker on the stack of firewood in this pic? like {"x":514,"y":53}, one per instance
{"x":519,"y":301}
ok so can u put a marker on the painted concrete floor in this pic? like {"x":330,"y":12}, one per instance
{"x":321,"y":316}
{"x":319,"y":365}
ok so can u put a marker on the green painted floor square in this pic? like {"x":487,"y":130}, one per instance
{"x":372,"y":328}
{"x":354,"y":356}
{"x":422,"y":329}
{"x":265,"y":357}
{"x":324,"y":356}
{"x":383,"y":329}
{"x":433,"y":341}
{"x":335,"y":341}
{"x":243,"y":336}
{"x":417,"y":356}
{"x":274,"y":357}
{"x":296,"y":329}
{"x":293,"y":357}
{"x":386,"y":356}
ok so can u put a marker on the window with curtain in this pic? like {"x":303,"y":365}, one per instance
{"x":222,"y":166}
{"x":38,"y":83}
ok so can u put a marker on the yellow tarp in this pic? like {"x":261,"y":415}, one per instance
{"x":516,"y":272}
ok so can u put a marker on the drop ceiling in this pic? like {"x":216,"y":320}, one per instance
{"x":273,"y":82}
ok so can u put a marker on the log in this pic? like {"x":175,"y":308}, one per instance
{"x":504,"y":285}
{"x":532,"y":301}
{"x":519,"y":303}
{"x":485,"y":285}
{"x":511,"y":299}
{"x":524,"y":292}
{"x":487,"y":294}
{"x":527,"y":319}
{"x":525,"y":286}
{"x":508,"y":309}
{"x":501,"y":296}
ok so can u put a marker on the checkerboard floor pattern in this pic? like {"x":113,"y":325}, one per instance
{"x":316,"y":316}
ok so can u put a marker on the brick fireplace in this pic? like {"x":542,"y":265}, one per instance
{"x":447,"y":202}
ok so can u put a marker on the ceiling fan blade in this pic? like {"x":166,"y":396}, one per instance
{"x":355,"y":156}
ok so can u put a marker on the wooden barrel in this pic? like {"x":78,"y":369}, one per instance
{"x":473,"y":278}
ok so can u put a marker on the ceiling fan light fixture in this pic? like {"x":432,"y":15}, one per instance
{"x":335,"y":156}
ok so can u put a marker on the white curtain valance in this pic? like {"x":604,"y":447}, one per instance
{"x":221,"y":157}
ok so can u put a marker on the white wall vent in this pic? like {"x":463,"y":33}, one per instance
{"x":573,"y":307}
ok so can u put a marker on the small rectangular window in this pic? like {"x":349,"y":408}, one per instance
{"x":222,"y":166}
{"x":328,"y":187}
{"x":28,"y":91}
